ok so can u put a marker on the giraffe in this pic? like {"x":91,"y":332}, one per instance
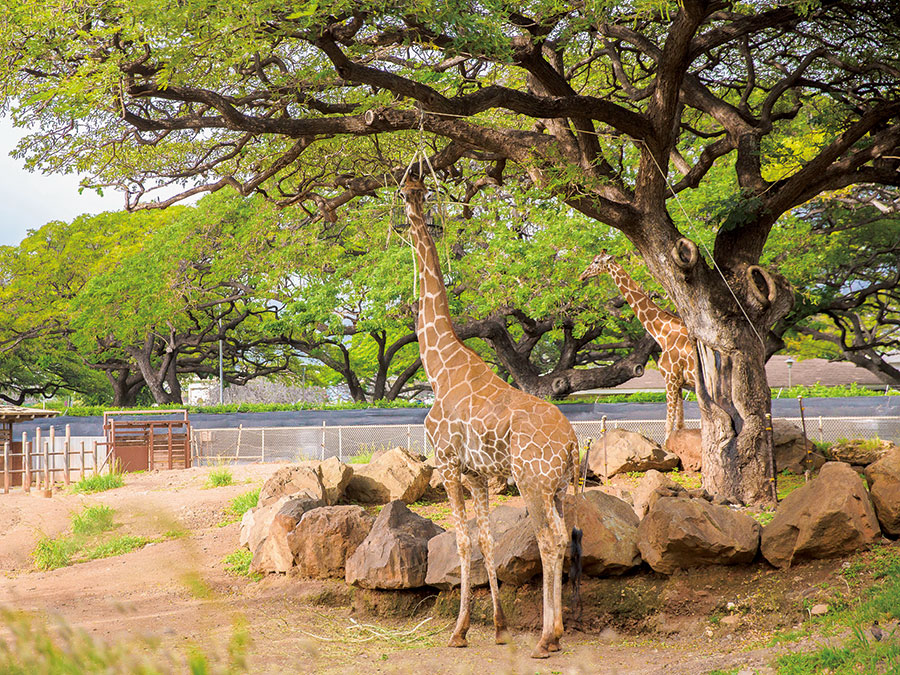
{"x":677,"y":362}
{"x":480,"y":426}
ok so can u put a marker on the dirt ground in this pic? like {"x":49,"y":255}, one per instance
{"x":176,"y":593}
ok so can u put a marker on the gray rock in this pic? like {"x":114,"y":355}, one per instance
{"x":883,"y":477}
{"x":290,"y":481}
{"x":274,"y":553}
{"x":393,"y":475}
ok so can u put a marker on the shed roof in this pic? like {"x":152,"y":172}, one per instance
{"x":14,"y":413}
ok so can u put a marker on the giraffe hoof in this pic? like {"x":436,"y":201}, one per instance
{"x":502,"y":637}
{"x":540,"y":652}
{"x":553,"y":647}
{"x":457,"y":641}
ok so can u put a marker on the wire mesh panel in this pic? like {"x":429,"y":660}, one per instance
{"x":291,"y":444}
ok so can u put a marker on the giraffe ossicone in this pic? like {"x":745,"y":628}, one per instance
{"x":480,"y":426}
{"x":677,"y":361}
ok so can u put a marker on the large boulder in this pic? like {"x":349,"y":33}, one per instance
{"x":393,"y":475}
{"x":443,"y":555}
{"x":829,"y":516}
{"x":883,"y":477}
{"x":686,"y":444}
{"x":627,"y":451}
{"x":680,"y":533}
{"x":653,"y":485}
{"x":255,"y":523}
{"x":792,"y":451}
{"x":395,"y":552}
{"x":335,"y":476}
{"x":325,"y":537}
{"x":293,"y":480}
{"x":274,"y":554}
{"x":516,"y":554}
{"x":609,"y":528}
{"x":860,"y":452}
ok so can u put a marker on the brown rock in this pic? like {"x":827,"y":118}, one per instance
{"x":828,"y":517}
{"x":393,"y":475}
{"x":325,"y":537}
{"x":860,"y":452}
{"x":609,"y":527}
{"x":292,"y":480}
{"x":647,"y":490}
{"x":516,"y":554}
{"x":685,"y":443}
{"x":395,"y":552}
{"x":680,"y":533}
{"x":274,"y":553}
{"x":334,"y":474}
{"x":627,"y":451}
{"x":443,"y":555}
{"x":792,"y":451}
{"x":256,"y":522}
{"x":883,"y":477}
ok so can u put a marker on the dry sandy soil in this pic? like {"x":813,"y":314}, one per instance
{"x":176,"y":593}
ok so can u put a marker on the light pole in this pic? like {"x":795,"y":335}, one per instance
{"x":790,"y":364}
{"x":221,"y":386}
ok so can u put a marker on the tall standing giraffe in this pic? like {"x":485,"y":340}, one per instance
{"x":677,"y":362}
{"x":479,"y":426}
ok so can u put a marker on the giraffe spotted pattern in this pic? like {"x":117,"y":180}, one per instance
{"x":677,"y":362}
{"x":479,"y":427}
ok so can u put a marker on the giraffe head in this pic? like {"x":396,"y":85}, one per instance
{"x":599,"y":265}
{"x":413,"y":191}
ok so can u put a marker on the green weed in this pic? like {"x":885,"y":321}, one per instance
{"x":220,"y":477}
{"x":51,"y":554}
{"x":99,"y":483}
{"x":238,"y":564}
{"x":118,"y":546}
{"x":93,"y":520}
{"x":239,"y":505}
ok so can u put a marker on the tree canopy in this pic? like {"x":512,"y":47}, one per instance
{"x":618,"y":111}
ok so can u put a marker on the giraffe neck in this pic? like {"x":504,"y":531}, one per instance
{"x":644,"y":308}
{"x":434,"y":329}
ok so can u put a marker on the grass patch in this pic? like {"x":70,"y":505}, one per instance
{"x":787,"y":483}
{"x":33,"y":645}
{"x":118,"y":546}
{"x":239,"y":505}
{"x":363,"y":457}
{"x":93,"y":520}
{"x":858,"y":655}
{"x":99,"y":483}
{"x":238,"y":564}
{"x":89,"y":540}
{"x":220,"y":477}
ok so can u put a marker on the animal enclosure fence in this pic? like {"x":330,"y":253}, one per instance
{"x":274,"y":444}
{"x":46,"y":459}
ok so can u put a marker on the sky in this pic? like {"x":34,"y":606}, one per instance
{"x":29,"y":200}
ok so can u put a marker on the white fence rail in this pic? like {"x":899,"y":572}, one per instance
{"x":274,"y":444}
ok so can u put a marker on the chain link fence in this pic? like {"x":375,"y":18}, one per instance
{"x":292,"y":444}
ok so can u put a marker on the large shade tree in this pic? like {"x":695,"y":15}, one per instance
{"x":614,"y":109}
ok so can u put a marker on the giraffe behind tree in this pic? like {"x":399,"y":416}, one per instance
{"x":677,"y":362}
{"x":480,"y":426}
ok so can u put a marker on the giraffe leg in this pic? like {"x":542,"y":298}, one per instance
{"x":672,"y":396}
{"x":479,"y":492}
{"x":679,"y":409}
{"x":463,"y":545}
{"x":541,"y":520}
{"x":560,"y":541}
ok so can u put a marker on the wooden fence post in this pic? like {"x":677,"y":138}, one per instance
{"x":262,"y":451}
{"x":49,"y":478}
{"x":37,"y":450}
{"x":67,"y":445}
{"x":6,"y":468}
{"x":323,"y":441}
{"x":82,"y":460}
{"x":26,"y":464}
{"x":95,"y":458}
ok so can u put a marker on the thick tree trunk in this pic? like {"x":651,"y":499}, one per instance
{"x":729,"y":323}
{"x":734,"y":400}
{"x":126,"y":386}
